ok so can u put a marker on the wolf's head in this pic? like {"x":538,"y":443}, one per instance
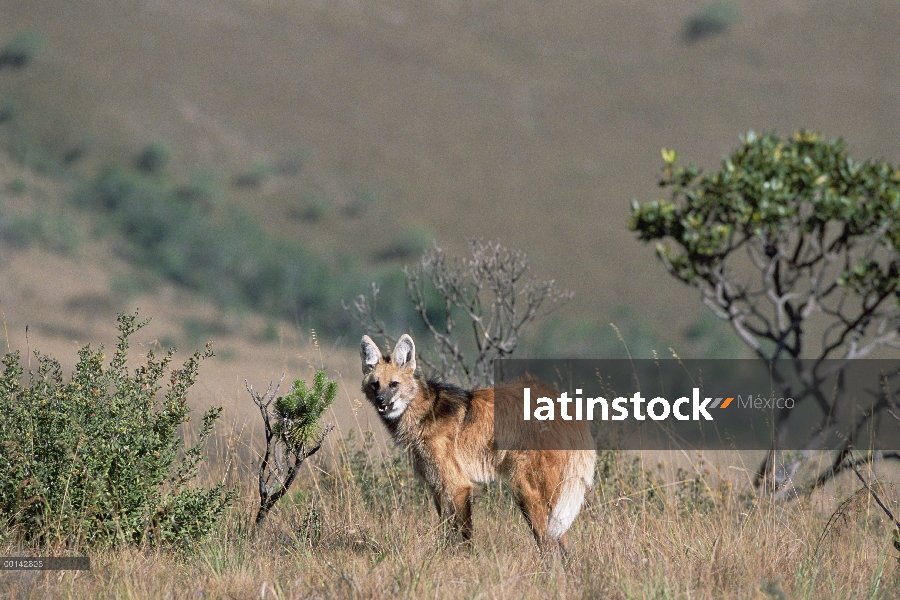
{"x":389,"y":382}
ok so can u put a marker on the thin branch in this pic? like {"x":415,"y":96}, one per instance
{"x":886,"y":510}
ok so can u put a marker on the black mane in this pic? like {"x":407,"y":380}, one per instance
{"x":450,"y":399}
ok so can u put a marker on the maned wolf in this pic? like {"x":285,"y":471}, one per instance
{"x":449,"y":434}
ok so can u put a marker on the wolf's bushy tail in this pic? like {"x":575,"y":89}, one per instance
{"x":578,"y":477}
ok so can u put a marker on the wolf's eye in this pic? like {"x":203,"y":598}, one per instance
{"x":394,"y":385}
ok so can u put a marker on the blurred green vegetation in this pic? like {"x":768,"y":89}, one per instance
{"x":153,"y":158}
{"x":362,"y":201}
{"x":627,"y":333}
{"x":187,"y":230}
{"x":255,"y":175}
{"x":312,"y":207}
{"x":54,"y":232}
{"x":190,"y":233}
{"x":413,"y":241}
{"x":19,"y":50}
{"x":713,"y":18}
{"x":182,"y":232}
{"x":39,"y":227}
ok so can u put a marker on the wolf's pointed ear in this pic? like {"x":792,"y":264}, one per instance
{"x":404,"y":355}
{"x":369,"y":353}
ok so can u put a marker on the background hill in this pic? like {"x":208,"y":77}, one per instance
{"x":362,"y":130}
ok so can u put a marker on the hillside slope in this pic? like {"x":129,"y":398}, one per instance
{"x":529,"y":122}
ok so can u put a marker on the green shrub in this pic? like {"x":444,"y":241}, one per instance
{"x":153,"y":158}
{"x":17,"y":186}
{"x":190,"y":234}
{"x":293,"y":434}
{"x":795,"y":245}
{"x":312,"y":208}
{"x":255,"y":175}
{"x":54,"y":232}
{"x":715,"y":17}
{"x":223,"y":253}
{"x":19,"y":51}
{"x":297,"y":414}
{"x":96,"y":459}
{"x":362,"y":202}
{"x":413,"y":242}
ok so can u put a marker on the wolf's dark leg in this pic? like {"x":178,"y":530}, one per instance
{"x":563,"y":545}
{"x":433,"y":491}
{"x":456,"y":512}
{"x":537,"y":515}
{"x":462,"y":508}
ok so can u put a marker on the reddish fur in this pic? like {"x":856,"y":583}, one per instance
{"x":449,"y":433}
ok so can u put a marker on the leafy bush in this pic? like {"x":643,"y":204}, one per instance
{"x":716,"y":17}
{"x":796,"y":245}
{"x":297,"y":414}
{"x":312,"y":207}
{"x":293,"y":434}
{"x":19,"y":51}
{"x":153,"y":158}
{"x":223,"y":252}
{"x":818,"y":232}
{"x":54,"y":232}
{"x":94,"y":459}
{"x":413,"y":242}
{"x":255,"y":175}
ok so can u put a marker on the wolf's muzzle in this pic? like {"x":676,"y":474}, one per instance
{"x":383,"y":404}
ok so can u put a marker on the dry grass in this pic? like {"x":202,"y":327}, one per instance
{"x":359,"y":525}
{"x":456,"y":114}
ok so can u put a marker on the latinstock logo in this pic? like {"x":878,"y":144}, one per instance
{"x":689,"y":404}
{"x":657,"y":409}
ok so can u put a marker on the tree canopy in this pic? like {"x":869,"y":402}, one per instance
{"x":820,"y":229}
{"x":797,"y":245}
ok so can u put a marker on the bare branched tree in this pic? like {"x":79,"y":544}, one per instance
{"x":491,"y":292}
{"x":790,"y":239}
{"x":292,"y":432}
